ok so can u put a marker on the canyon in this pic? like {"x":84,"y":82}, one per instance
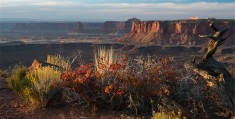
{"x":24,"y":41}
{"x":132,"y":31}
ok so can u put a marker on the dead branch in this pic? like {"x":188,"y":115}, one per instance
{"x":209,"y":68}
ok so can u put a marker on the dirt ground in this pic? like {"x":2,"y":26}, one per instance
{"x":13,"y":106}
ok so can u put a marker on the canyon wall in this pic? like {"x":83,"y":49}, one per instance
{"x":50,"y":28}
{"x":134,"y":31}
{"x":114,"y":25}
{"x":182,"y":32}
{"x":68,"y":28}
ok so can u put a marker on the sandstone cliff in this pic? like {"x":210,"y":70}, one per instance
{"x":184,"y":32}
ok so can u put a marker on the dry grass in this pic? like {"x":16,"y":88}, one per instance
{"x":104,"y":56}
{"x":58,"y":60}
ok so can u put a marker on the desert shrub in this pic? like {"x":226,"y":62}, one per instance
{"x":18,"y":80}
{"x":122,"y":83}
{"x":133,"y":85}
{"x":58,"y":60}
{"x":37,"y":86}
{"x":44,"y":81}
{"x":82,"y":85}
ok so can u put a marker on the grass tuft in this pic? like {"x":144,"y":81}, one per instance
{"x":58,"y":60}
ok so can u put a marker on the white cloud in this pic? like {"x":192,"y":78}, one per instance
{"x":6,"y":3}
{"x":199,"y":5}
{"x":80,"y":10}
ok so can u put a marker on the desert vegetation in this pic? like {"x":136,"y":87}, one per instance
{"x":35,"y":86}
{"x":150,"y":86}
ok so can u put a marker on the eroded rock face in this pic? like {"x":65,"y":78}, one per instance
{"x":175,"y":32}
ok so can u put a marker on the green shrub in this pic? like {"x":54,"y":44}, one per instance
{"x":37,"y":86}
{"x":44,"y":81}
{"x":17,"y":80}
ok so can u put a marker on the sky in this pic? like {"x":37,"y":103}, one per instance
{"x":115,"y":10}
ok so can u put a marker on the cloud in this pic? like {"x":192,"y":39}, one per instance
{"x":200,"y":5}
{"x":7,"y":3}
{"x":76,"y":10}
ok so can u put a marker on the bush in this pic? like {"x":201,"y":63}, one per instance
{"x":82,"y":84}
{"x":120,"y":83}
{"x":18,"y":80}
{"x":37,"y":86}
{"x":132,"y":85}
{"x":44,"y":81}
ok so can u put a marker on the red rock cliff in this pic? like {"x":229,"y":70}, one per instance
{"x":175,"y":32}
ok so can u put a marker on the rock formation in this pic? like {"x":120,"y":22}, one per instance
{"x":182,"y":32}
{"x":62,"y":28}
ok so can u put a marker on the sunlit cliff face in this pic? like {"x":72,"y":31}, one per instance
{"x":184,"y":32}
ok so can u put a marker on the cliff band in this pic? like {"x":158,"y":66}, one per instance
{"x":182,"y":32}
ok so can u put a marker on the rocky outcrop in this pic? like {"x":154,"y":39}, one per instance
{"x":183,"y":32}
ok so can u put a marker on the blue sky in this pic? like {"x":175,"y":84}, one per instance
{"x":117,"y":10}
